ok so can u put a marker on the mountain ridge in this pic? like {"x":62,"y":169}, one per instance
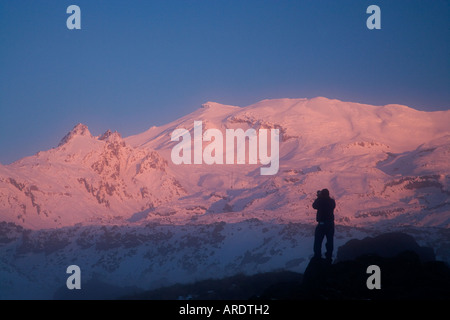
{"x":120,"y":209}
{"x":384,"y":164}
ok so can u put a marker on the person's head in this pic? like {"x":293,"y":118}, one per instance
{"x":325,"y":193}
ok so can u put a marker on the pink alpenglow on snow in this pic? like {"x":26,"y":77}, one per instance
{"x":385,"y":165}
{"x":213,"y":153}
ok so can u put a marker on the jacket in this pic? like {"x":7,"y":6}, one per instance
{"x":325,"y":209}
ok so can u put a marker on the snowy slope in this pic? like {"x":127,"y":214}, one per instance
{"x":383,"y":164}
{"x":129,"y":217}
{"x":324,"y":143}
{"x":33,"y":263}
{"x":85,"y":179}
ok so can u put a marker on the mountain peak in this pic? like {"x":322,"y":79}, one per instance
{"x":210,"y":104}
{"x":79,"y":130}
{"x":109,"y":136}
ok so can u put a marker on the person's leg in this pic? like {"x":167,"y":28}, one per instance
{"x":318,"y":238}
{"x":330,"y":241}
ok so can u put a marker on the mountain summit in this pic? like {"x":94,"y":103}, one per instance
{"x":79,"y":130}
{"x":385,"y":165}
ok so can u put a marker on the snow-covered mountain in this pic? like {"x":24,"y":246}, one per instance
{"x":383,"y":164}
{"x":129,"y":217}
{"x":85,"y":179}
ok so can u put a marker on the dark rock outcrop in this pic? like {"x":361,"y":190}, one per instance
{"x":386,"y":245}
{"x":403,"y":277}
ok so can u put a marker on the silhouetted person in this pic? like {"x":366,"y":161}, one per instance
{"x":325,"y":228}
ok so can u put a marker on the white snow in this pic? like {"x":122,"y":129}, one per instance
{"x":360,"y":152}
{"x":121,"y":209}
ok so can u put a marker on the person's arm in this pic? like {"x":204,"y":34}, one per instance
{"x":315,"y":204}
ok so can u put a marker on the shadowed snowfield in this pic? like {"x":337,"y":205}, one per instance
{"x":128,"y":216}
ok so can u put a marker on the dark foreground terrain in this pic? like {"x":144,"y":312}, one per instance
{"x":407,"y":272}
{"x":402,"y":277}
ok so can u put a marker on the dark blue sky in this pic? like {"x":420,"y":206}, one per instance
{"x":135,"y":64}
